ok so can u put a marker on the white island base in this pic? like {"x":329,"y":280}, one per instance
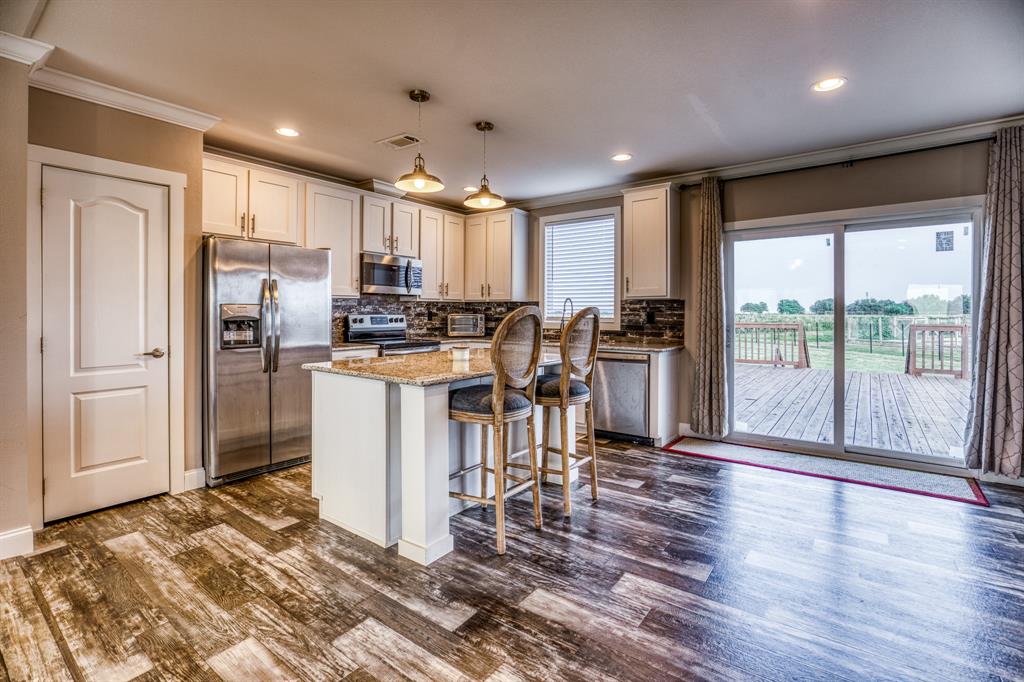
{"x":383,"y":455}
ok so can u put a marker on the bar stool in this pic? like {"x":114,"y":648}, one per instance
{"x":578,"y":348}
{"x":515,"y":352}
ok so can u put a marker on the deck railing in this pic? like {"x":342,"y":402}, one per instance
{"x":938,"y":349}
{"x":782,"y":344}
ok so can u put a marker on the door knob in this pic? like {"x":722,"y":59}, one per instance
{"x":155,"y":353}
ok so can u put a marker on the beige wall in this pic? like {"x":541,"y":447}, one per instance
{"x":78,"y":126}
{"x":14,"y":507}
{"x":941,"y":173}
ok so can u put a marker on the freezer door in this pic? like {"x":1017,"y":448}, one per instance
{"x":237,"y":395}
{"x":300,"y":283}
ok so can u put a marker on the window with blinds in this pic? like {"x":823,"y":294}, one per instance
{"x":579,"y":263}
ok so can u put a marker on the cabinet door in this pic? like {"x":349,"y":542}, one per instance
{"x":476,"y":258}
{"x":453,"y":278}
{"x":332,"y":222}
{"x":645,"y":244}
{"x":432,"y":254}
{"x":274,"y":205}
{"x":225,"y":198}
{"x":376,"y":225}
{"x":405,"y":230}
{"x":499,"y":257}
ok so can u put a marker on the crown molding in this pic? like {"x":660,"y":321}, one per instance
{"x":109,"y":96}
{"x":24,"y":50}
{"x":854,"y":152}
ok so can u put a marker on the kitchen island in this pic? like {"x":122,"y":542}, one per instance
{"x":384,"y":449}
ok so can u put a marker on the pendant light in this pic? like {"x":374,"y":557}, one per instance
{"x":419,"y":180}
{"x":484,"y":197}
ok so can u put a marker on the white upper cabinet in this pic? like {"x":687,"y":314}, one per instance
{"x":332,"y":222}
{"x":405,"y":229}
{"x":476,"y":258}
{"x":225,"y":198}
{"x":496,"y":256}
{"x":432,"y":254}
{"x":651,"y":262}
{"x":376,"y":225}
{"x":249,"y":202}
{"x":453,"y":276}
{"x":273,"y":207}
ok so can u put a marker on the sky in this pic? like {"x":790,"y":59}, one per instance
{"x":897,"y":263}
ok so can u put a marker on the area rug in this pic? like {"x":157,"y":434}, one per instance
{"x":956,"y":488}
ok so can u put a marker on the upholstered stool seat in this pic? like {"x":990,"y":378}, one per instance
{"x":477,"y":400}
{"x":549,"y":386}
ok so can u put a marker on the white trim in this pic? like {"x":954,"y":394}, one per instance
{"x":616,"y":322}
{"x":16,"y":542}
{"x":24,"y":50}
{"x":176,"y":184}
{"x":109,"y":96}
{"x":195,"y":478}
{"x":864,"y":214}
{"x":992,"y":477}
{"x":865,"y":150}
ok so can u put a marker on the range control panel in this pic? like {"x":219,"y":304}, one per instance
{"x":360,"y":322}
{"x":240,"y":325}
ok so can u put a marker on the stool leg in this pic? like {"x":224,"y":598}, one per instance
{"x":566,"y":493}
{"x":505,"y":438}
{"x":545,"y":440}
{"x":483,"y":461}
{"x":531,"y":437}
{"x":592,"y":449}
{"x":499,"y":488}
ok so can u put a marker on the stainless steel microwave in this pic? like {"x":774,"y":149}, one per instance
{"x":391,"y":275}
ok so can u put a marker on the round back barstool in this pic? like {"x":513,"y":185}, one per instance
{"x":578,"y":347}
{"x":515,"y":353}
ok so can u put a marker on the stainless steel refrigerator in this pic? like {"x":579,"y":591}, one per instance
{"x":267,"y":311}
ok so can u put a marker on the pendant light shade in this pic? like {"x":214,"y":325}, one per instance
{"x":419,"y":180}
{"x":484,"y":197}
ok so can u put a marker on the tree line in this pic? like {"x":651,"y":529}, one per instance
{"x":929,"y":304}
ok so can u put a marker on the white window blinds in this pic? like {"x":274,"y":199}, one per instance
{"x":579,"y":263}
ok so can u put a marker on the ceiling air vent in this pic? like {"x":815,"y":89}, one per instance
{"x":400,"y":141}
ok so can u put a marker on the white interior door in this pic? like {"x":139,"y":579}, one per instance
{"x":105,"y":306}
{"x":273,"y":201}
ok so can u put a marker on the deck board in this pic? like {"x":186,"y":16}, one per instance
{"x":923,"y":415}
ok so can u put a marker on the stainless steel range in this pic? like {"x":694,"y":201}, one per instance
{"x":390,"y":332}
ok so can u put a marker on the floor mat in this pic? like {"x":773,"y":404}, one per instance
{"x":890,"y":478}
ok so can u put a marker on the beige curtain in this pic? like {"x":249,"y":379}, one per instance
{"x":996,"y":422}
{"x":708,"y":412}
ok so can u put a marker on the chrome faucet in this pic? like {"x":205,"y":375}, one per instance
{"x":561,"y":325}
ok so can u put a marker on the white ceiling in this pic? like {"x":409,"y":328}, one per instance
{"x":681,"y":85}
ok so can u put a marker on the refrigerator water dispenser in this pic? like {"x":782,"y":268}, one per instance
{"x":239,"y":325}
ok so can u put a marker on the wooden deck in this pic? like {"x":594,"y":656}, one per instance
{"x":923,"y":415}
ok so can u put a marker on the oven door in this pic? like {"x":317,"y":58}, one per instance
{"x":391,"y":275}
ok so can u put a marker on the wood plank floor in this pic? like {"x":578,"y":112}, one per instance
{"x":685,"y":569}
{"x":922,"y":415}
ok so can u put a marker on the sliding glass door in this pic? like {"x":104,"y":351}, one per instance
{"x":873,"y":317}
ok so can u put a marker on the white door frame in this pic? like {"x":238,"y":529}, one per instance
{"x":175,"y":183}
{"x":839,"y":223}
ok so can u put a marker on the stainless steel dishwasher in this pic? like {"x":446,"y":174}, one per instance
{"x":621,"y":396}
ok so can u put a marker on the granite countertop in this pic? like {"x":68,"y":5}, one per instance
{"x":419,"y":369}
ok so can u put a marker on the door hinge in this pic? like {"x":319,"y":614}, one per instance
{"x":44,"y":486}
{"x":42,"y":191}
{"x":41,"y":346}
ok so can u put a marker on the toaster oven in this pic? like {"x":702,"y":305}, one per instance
{"x":466,"y":324}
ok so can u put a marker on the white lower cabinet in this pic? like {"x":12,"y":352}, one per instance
{"x":332,"y":222}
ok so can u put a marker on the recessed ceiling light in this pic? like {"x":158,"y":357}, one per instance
{"x":469,"y":188}
{"x":287,"y":132}
{"x":622,"y":157}
{"x":833,"y":83}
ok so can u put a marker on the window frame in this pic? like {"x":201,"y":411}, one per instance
{"x":611,"y":324}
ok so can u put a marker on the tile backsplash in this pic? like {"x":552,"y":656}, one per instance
{"x":652,"y":318}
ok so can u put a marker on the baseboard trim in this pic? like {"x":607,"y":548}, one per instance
{"x":195,"y":478}
{"x":997,"y":478}
{"x":16,"y":542}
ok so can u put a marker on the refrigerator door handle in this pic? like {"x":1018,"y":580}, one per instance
{"x":276,"y":296}
{"x":265,"y":325}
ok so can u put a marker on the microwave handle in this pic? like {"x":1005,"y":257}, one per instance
{"x":408,"y":276}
